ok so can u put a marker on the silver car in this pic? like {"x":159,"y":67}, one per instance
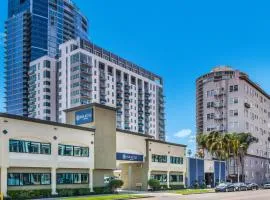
{"x":266,"y":185}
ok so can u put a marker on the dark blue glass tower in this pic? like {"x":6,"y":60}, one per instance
{"x":35,"y":28}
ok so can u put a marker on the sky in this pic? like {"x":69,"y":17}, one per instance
{"x":180,"y":40}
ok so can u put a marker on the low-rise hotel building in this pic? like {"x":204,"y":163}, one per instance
{"x":84,"y":153}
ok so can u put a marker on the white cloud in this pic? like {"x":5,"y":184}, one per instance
{"x":183,"y":133}
{"x":192,"y":139}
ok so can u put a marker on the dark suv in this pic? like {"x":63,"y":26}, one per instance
{"x":240,"y":186}
{"x":225,"y":187}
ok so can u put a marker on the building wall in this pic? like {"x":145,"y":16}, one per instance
{"x":53,"y":134}
{"x":228,"y":101}
{"x":35,"y":29}
{"x":42,"y":101}
{"x":199,"y":168}
{"x":89,"y":76}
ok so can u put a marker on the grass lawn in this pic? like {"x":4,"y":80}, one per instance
{"x":193,"y":191}
{"x":108,"y":197}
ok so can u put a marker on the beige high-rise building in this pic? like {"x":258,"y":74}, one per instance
{"x":228,"y":101}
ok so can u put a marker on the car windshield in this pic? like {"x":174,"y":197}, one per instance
{"x":222,"y":184}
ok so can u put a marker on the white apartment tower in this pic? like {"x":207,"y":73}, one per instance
{"x":42,"y":84}
{"x":228,"y":101}
{"x":87,"y":74}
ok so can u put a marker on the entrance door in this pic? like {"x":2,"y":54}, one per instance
{"x":209,"y":179}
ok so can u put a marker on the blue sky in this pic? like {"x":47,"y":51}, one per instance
{"x":181,"y":40}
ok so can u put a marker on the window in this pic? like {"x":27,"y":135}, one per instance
{"x":47,"y":64}
{"x":72,"y":178}
{"x":20,"y":179}
{"x":176,"y":178}
{"x":46,"y":74}
{"x":233,"y":113}
{"x":233,"y":88}
{"x":69,"y":150}
{"x":159,"y":158}
{"x":162,"y":178}
{"x":176,"y":160}
{"x":20,"y":146}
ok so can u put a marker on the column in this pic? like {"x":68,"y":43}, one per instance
{"x":168,"y":179}
{"x":53,"y":181}
{"x":148,"y":178}
{"x":129,"y":177}
{"x":4,"y":180}
{"x":91,"y":180}
{"x":184,"y":178}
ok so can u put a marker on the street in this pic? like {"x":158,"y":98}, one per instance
{"x":247,"y":195}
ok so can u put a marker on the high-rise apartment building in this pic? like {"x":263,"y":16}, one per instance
{"x":87,"y":73}
{"x":35,"y":28}
{"x":42,"y":83}
{"x":228,"y":101}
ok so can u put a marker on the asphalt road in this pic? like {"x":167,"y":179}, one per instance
{"x":246,"y":195}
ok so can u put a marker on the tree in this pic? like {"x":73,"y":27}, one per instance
{"x":114,"y":184}
{"x":202,"y":140}
{"x":218,"y":146}
{"x":225,"y":145}
{"x":154,"y":184}
{"x":245,"y":139}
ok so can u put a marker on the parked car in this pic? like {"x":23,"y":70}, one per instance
{"x":266,"y":185}
{"x":240,"y":186}
{"x":252,"y":186}
{"x":225,"y":187}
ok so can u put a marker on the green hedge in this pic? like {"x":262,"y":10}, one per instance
{"x":39,"y":194}
{"x":102,"y":190}
{"x":28,"y":194}
{"x":73,"y":192}
{"x":177,"y":187}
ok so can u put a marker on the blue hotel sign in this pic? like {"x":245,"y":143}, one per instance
{"x":129,"y":157}
{"x":84,"y":116}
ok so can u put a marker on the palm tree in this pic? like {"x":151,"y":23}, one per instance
{"x":218,"y":146}
{"x":201,"y":141}
{"x":224,"y":145}
{"x":234,"y":150}
{"x":245,"y":140}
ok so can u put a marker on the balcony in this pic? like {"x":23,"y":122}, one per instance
{"x":127,"y":87}
{"x":119,"y":105}
{"x":86,"y":79}
{"x":119,"y":97}
{"x":247,"y":105}
{"x":119,"y":84}
{"x":102,"y":77}
{"x":86,"y":71}
{"x":219,"y":105}
{"x":219,"y":92}
{"x":102,"y":85}
{"x":102,"y":101}
{"x":219,"y":117}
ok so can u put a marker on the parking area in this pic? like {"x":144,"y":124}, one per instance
{"x":244,"y":195}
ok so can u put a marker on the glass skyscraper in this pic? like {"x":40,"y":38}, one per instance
{"x":35,"y":28}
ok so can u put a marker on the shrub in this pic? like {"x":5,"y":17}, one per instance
{"x":114,"y":184}
{"x":177,"y":187}
{"x":68,"y":192}
{"x":28,"y":194}
{"x":102,"y":190}
{"x":154,"y":184}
